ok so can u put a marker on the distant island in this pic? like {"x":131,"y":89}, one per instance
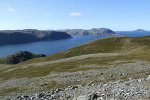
{"x":94,"y":31}
{"x":139,"y":30}
{"x":30,"y":35}
{"x":134,"y":31}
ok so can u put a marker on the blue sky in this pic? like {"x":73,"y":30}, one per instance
{"x":72,"y":14}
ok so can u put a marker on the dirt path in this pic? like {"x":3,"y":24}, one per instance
{"x":75,"y":58}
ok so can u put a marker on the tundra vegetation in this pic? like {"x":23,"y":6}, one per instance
{"x":100,"y":61}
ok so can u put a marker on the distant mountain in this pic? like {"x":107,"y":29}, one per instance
{"x":19,"y":56}
{"x":139,"y":30}
{"x":94,"y":31}
{"x":135,"y":31}
{"x":30,"y":35}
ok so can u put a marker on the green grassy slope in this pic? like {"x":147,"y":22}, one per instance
{"x":104,"y":45}
{"x":133,"y":50}
{"x":136,"y":47}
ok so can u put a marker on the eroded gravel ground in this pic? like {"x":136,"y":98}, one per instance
{"x":98,"y":82}
{"x":134,"y":89}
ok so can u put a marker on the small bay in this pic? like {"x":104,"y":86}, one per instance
{"x":47,"y":47}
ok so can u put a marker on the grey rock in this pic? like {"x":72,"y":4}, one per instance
{"x":148,"y":78}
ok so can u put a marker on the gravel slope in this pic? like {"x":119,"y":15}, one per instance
{"x":102,"y":81}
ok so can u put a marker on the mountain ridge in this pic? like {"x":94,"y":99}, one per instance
{"x":30,"y":35}
{"x":94,"y":31}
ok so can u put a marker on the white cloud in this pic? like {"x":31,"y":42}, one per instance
{"x":11,"y":9}
{"x":7,"y":7}
{"x":75,"y":14}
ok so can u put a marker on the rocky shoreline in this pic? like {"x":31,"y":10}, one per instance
{"x":19,"y":57}
{"x":133,"y":89}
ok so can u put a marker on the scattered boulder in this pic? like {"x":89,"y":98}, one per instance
{"x":84,"y":97}
{"x":148,"y":78}
{"x":117,"y":90}
{"x":93,"y":96}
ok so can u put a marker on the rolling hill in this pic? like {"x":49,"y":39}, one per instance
{"x":102,"y":60}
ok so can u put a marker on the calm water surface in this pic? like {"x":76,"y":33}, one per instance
{"x":50,"y":47}
{"x":47,"y":47}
